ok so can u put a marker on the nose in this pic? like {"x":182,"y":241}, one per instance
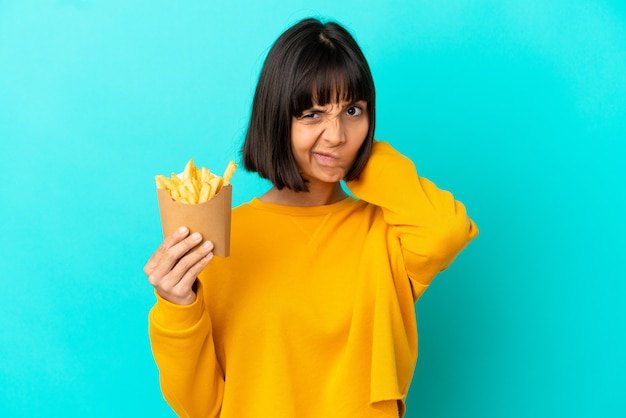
{"x":334,"y":131}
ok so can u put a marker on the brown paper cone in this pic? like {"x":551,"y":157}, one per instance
{"x":211,"y":218}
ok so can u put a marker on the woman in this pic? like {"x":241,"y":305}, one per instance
{"x":312,"y":315}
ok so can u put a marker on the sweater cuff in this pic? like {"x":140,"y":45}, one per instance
{"x":175,"y":317}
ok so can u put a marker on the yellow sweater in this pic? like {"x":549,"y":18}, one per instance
{"x":312,"y":315}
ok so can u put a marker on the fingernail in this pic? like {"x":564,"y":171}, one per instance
{"x":196,"y":236}
{"x":182,"y":230}
{"x":207,"y":245}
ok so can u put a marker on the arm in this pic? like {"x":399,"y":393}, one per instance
{"x":192,"y":381}
{"x":180,"y":328}
{"x":431,"y":226}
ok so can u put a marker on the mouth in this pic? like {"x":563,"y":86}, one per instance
{"x":325,"y":158}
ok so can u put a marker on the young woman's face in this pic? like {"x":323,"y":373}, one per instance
{"x":325,"y":139}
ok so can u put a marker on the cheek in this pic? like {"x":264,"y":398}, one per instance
{"x":303,"y":137}
{"x":358,"y":136}
{"x":301,"y":144}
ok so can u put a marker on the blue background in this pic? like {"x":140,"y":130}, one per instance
{"x":518,"y":107}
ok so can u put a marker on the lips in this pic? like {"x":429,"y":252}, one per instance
{"x":325,"y":158}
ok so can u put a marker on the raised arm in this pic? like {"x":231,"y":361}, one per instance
{"x":431,"y":225}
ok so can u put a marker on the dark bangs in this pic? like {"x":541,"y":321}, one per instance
{"x":326,"y":73}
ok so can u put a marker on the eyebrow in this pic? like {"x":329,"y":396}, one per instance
{"x":360,"y":102}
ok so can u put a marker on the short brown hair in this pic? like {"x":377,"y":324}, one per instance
{"x":311,"y":61}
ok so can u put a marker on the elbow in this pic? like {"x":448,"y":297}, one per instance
{"x":429,"y":251}
{"x":452,"y":237}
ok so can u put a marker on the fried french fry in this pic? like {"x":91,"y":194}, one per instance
{"x":216,"y":184}
{"x":190,"y":191}
{"x":195,"y":185}
{"x":205,"y":174}
{"x":176,"y":180}
{"x":228,"y":173}
{"x":161,"y":182}
{"x":190,"y":170}
{"x":166,"y":183}
{"x":175,"y":194}
{"x":205,"y":193}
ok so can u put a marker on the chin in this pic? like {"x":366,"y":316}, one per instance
{"x":332,"y":178}
{"x":326,"y":176}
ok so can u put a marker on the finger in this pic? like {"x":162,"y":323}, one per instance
{"x":167,"y":243}
{"x":177,"y":285}
{"x":197,"y":260}
{"x":172,"y":256}
{"x":187,"y":267}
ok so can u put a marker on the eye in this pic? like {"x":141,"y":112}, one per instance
{"x":308,"y":115}
{"x":354,"y":111}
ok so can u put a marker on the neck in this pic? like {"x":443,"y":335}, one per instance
{"x":318,"y":195}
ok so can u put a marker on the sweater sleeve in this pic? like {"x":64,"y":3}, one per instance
{"x":431,"y":226}
{"x":191,"y":379}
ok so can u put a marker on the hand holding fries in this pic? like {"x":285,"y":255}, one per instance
{"x":175,"y":265}
{"x":200,"y":201}
{"x":195,"y":185}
